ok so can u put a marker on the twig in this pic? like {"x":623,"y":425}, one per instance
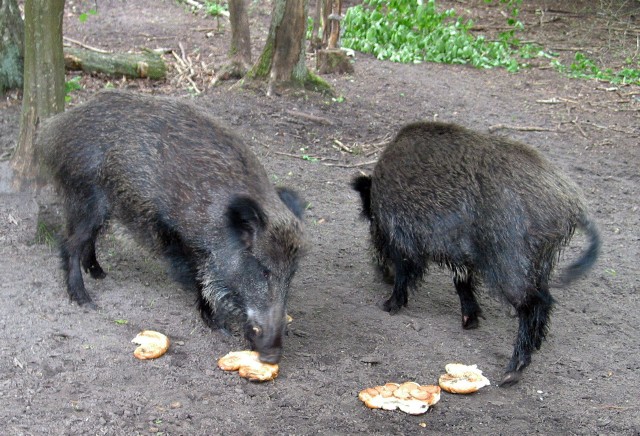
{"x":552,"y":100}
{"x":194,"y":3}
{"x":180,"y":61}
{"x":569,"y":48}
{"x":608,"y":128}
{"x":523,"y":128}
{"x":483,"y":28}
{"x":342,"y":147}
{"x":618,"y":29}
{"x":184,"y":56}
{"x":579,"y":128}
{"x":556,"y":100}
{"x":614,"y":407}
{"x":186,"y":74}
{"x":303,"y":157}
{"x":88,"y":47}
{"x":560,"y":11}
{"x":156,"y":38}
{"x":361,"y":164}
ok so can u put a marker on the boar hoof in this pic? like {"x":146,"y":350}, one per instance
{"x":97,"y":273}
{"x":510,"y":378}
{"x":470,"y":322}
{"x":88,"y":304}
{"x":389,"y":305}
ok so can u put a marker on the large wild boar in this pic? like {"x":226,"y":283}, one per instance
{"x":186,"y":187}
{"x":490,"y":209}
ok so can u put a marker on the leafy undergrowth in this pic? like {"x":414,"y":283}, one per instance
{"x":410,"y":31}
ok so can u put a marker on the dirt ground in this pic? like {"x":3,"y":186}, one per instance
{"x":67,"y":370}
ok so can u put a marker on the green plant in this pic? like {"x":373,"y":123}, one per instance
{"x":309,"y":158}
{"x":514,"y":23}
{"x":583,"y":67}
{"x":414,"y":31}
{"x":216,"y":8}
{"x":85,"y":15}
{"x":71,"y":85}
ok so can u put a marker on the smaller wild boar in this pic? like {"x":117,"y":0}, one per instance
{"x":186,"y":187}
{"x":490,"y":209}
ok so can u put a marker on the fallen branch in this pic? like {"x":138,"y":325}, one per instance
{"x":136,"y":65}
{"x":88,"y":47}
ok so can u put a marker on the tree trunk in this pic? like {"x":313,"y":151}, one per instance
{"x":240,"y":49}
{"x":140,"y":65}
{"x":43,"y":94}
{"x":334,"y":19}
{"x":11,"y":45}
{"x":318,"y":20}
{"x":282,"y":61}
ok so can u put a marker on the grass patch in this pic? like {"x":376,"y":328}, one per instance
{"x":45,"y":235}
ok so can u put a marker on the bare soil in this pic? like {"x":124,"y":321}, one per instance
{"x":69,"y":370}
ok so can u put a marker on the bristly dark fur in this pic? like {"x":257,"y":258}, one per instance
{"x":362,"y":184}
{"x":186,"y":187}
{"x":488,"y":208}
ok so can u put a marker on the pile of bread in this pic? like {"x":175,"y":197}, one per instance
{"x":415,"y":399}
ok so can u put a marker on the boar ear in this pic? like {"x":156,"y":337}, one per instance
{"x":362,"y":184}
{"x":292,"y":200}
{"x":245,"y":218}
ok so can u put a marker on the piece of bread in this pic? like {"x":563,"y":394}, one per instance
{"x":248,"y":365}
{"x":409,"y":397}
{"x":462,"y":379}
{"x":151,"y":344}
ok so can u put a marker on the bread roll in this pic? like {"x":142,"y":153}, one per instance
{"x":248,"y":365}
{"x":409,"y":397}
{"x":462,"y":379}
{"x":151,"y":344}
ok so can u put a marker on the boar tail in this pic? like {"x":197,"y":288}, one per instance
{"x":362,"y":184}
{"x":589,"y":256}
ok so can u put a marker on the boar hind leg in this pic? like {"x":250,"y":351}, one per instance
{"x":534,"y":318}
{"x":89,"y":261}
{"x":466,"y":288}
{"x":73,"y":249}
{"x":78,"y":247}
{"x":406,"y":275}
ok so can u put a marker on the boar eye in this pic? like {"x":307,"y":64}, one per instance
{"x":266,"y":273}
